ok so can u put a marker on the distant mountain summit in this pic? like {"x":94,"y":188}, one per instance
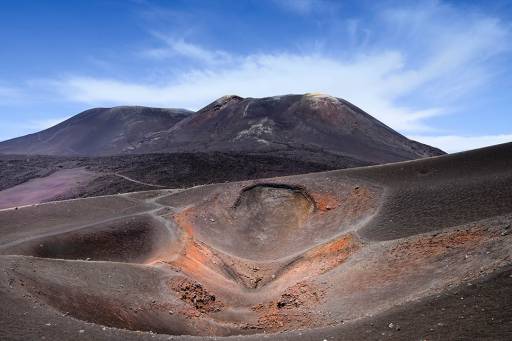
{"x":291,"y":124}
{"x":98,"y":131}
{"x":304,"y":127}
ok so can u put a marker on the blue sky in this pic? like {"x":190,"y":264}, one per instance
{"x":437,"y":71}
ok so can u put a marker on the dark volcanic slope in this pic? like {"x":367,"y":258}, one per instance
{"x":290,"y":125}
{"x":306,"y":127}
{"x":96,"y":131}
{"x":418,"y":250}
{"x":171,"y":170}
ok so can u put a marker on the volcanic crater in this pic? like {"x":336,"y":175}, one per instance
{"x":295,"y":256}
{"x":238,"y":260}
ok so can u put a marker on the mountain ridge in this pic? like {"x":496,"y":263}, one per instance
{"x":93,"y":129}
{"x":287,"y":125}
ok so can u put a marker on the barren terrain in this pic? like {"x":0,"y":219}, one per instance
{"x":46,"y":188}
{"x":25,"y":179}
{"x":417,"y":250}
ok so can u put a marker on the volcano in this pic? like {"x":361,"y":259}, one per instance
{"x":309,"y":127}
{"x":122,"y":149}
{"x":96,"y":131}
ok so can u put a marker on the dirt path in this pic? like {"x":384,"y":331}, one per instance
{"x":137,"y":181}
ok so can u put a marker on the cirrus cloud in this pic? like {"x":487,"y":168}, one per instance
{"x":436,"y":55}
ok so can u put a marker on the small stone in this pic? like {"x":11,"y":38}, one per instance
{"x":391,"y":325}
{"x":104,"y":328}
{"x":212,"y":220}
{"x":504,"y":233}
{"x":48,"y":324}
{"x":81,"y":331}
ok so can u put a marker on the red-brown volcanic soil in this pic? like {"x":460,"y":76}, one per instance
{"x":418,"y":250}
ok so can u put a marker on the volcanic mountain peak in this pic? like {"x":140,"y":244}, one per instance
{"x":222,"y":102}
{"x":228,"y":98}
{"x":284,"y":109}
{"x":292,"y":124}
{"x":97,"y":131}
{"x":133,"y":110}
{"x":319,"y":95}
{"x":309,"y":127}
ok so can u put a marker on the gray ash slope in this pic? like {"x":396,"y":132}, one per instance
{"x":96,"y":131}
{"x":305,"y":127}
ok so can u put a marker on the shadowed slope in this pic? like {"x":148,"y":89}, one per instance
{"x":436,"y":193}
{"x":99,"y":131}
{"x":137,"y":239}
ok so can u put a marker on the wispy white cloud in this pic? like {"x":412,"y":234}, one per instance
{"x":365,"y":81}
{"x":456,"y":43}
{"x":454,"y":47}
{"x":14,"y":128}
{"x":180,"y":48}
{"x":454,"y":143}
{"x":8,"y":93}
